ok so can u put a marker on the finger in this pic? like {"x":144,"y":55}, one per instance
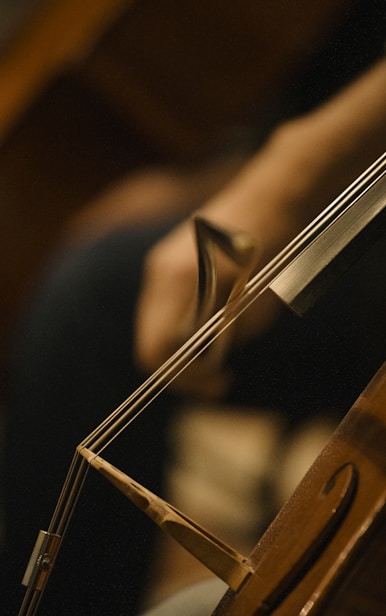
{"x":166,"y":303}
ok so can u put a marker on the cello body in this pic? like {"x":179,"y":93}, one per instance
{"x":91,"y":80}
{"x":324,"y":553}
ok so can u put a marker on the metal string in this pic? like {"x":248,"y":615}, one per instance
{"x":107,"y":431}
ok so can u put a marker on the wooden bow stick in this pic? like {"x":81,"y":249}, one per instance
{"x":347,"y":226}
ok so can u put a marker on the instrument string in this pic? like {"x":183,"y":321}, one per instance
{"x":134,"y":405}
{"x":114,"y":424}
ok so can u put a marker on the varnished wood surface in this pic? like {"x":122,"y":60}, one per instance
{"x":346,"y":574}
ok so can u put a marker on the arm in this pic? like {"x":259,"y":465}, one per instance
{"x":303,"y":166}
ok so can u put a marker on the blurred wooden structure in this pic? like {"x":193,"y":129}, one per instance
{"x":93,"y":90}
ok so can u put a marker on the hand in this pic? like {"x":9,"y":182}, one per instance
{"x":166,"y":308}
{"x":304,"y":165}
{"x":173,"y":277}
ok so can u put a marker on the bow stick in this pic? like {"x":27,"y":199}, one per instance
{"x":298,"y":274}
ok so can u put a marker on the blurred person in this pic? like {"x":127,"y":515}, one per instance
{"x":106,"y":314}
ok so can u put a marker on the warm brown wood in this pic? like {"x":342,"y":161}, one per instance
{"x":227,"y":563}
{"x":192,"y":73}
{"x":181,"y":72}
{"x":348,"y":567}
{"x":92,"y":90}
{"x":57,"y":35}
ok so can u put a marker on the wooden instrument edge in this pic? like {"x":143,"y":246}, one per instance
{"x":359,"y":441}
